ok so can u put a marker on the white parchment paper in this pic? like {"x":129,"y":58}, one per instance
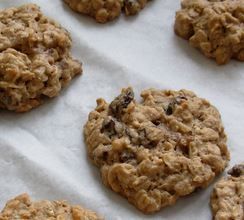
{"x":42,"y":152}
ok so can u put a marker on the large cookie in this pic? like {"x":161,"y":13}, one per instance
{"x":22,"y":207}
{"x":106,"y":10}
{"x":227,"y":199}
{"x":155,"y":151}
{"x":213,"y":26}
{"x":35,"y":60}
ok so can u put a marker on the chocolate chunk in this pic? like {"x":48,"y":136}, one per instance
{"x":126,"y":156}
{"x":171,"y":106}
{"x":169,"y":109}
{"x":121,"y":102}
{"x":108,"y":126}
{"x":145,"y":140}
{"x":237,"y":170}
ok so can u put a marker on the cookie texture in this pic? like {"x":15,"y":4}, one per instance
{"x":154,"y":151}
{"x":22,"y":207}
{"x":227,"y":199}
{"x":215,"y":27}
{"x":106,"y":10}
{"x":35,"y":60}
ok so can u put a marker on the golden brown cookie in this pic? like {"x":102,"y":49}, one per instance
{"x":22,"y":207}
{"x":35,"y":60}
{"x":154,"y":151}
{"x":227,"y":199}
{"x":215,"y":27}
{"x":106,"y":10}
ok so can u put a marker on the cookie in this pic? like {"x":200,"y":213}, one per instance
{"x":154,"y":151}
{"x":22,"y":207}
{"x":35,"y":60}
{"x":215,"y":27}
{"x":227,"y":199}
{"x":106,"y":10}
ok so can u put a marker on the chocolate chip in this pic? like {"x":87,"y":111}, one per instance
{"x":127,"y":156}
{"x":108,"y":126}
{"x":169,"y":109}
{"x":145,"y":140}
{"x":156,"y":122}
{"x":121,"y":102}
{"x":171,"y":106}
{"x":237,"y":171}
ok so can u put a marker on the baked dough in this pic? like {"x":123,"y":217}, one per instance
{"x":106,"y":10}
{"x":215,"y":27}
{"x":155,"y":151}
{"x":35,"y":60}
{"x":227,"y":199}
{"x":22,"y":207}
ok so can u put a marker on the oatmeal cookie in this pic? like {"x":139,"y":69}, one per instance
{"x":106,"y":10}
{"x":215,"y":27}
{"x":35,"y":60}
{"x":155,"y":151}
{"x":227,"y":199}
{"x":22,"y":207}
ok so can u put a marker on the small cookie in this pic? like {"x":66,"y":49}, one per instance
{"x":35,"y":60}
{"x":227,"y":199}
{"x":22,"y":207}
{"x":155,"y":151}
{"x":106,"y":10}
{"x":215,"y":27}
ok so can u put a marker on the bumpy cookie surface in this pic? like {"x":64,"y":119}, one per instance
{"x":227,"y":199}
{"x":155,"y":151}
{"x":106,"y":10}
{"x":35,"y":60}
{"x":22,"y":207}
{"x":216,"y":27}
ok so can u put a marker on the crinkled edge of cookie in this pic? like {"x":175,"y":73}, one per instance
{"x":227,"y":198}
{"x":104,"y":11}
{"x":22,"y":207}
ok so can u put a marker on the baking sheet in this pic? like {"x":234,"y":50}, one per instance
{"x":43,"y":153}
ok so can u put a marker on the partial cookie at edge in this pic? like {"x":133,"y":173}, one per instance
{"x":22,"y":207}
{"x":215,"y":27}
{"x":155,"y":151}
{"x":106,"y":10}
{"x":35,"y":60}
{"x":227,"y":199}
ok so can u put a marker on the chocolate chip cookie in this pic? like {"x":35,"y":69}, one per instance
{"x":227,"y":199}
{"x":154,"y":151}
{"x":22,"y":207}
{"x":106,"y":10}
{"x":35,"y":60}
{"x":215,"y":27}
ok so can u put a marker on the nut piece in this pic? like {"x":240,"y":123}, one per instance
{"x":214,"y":27}
{"x":155,"y":151}
{"x":106,"y":10}
{"x":35,"y":60}
{"x":227,"y":199}
{"x":22,"y":207}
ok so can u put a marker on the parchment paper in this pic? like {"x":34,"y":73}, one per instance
{"x":42,"y":152}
